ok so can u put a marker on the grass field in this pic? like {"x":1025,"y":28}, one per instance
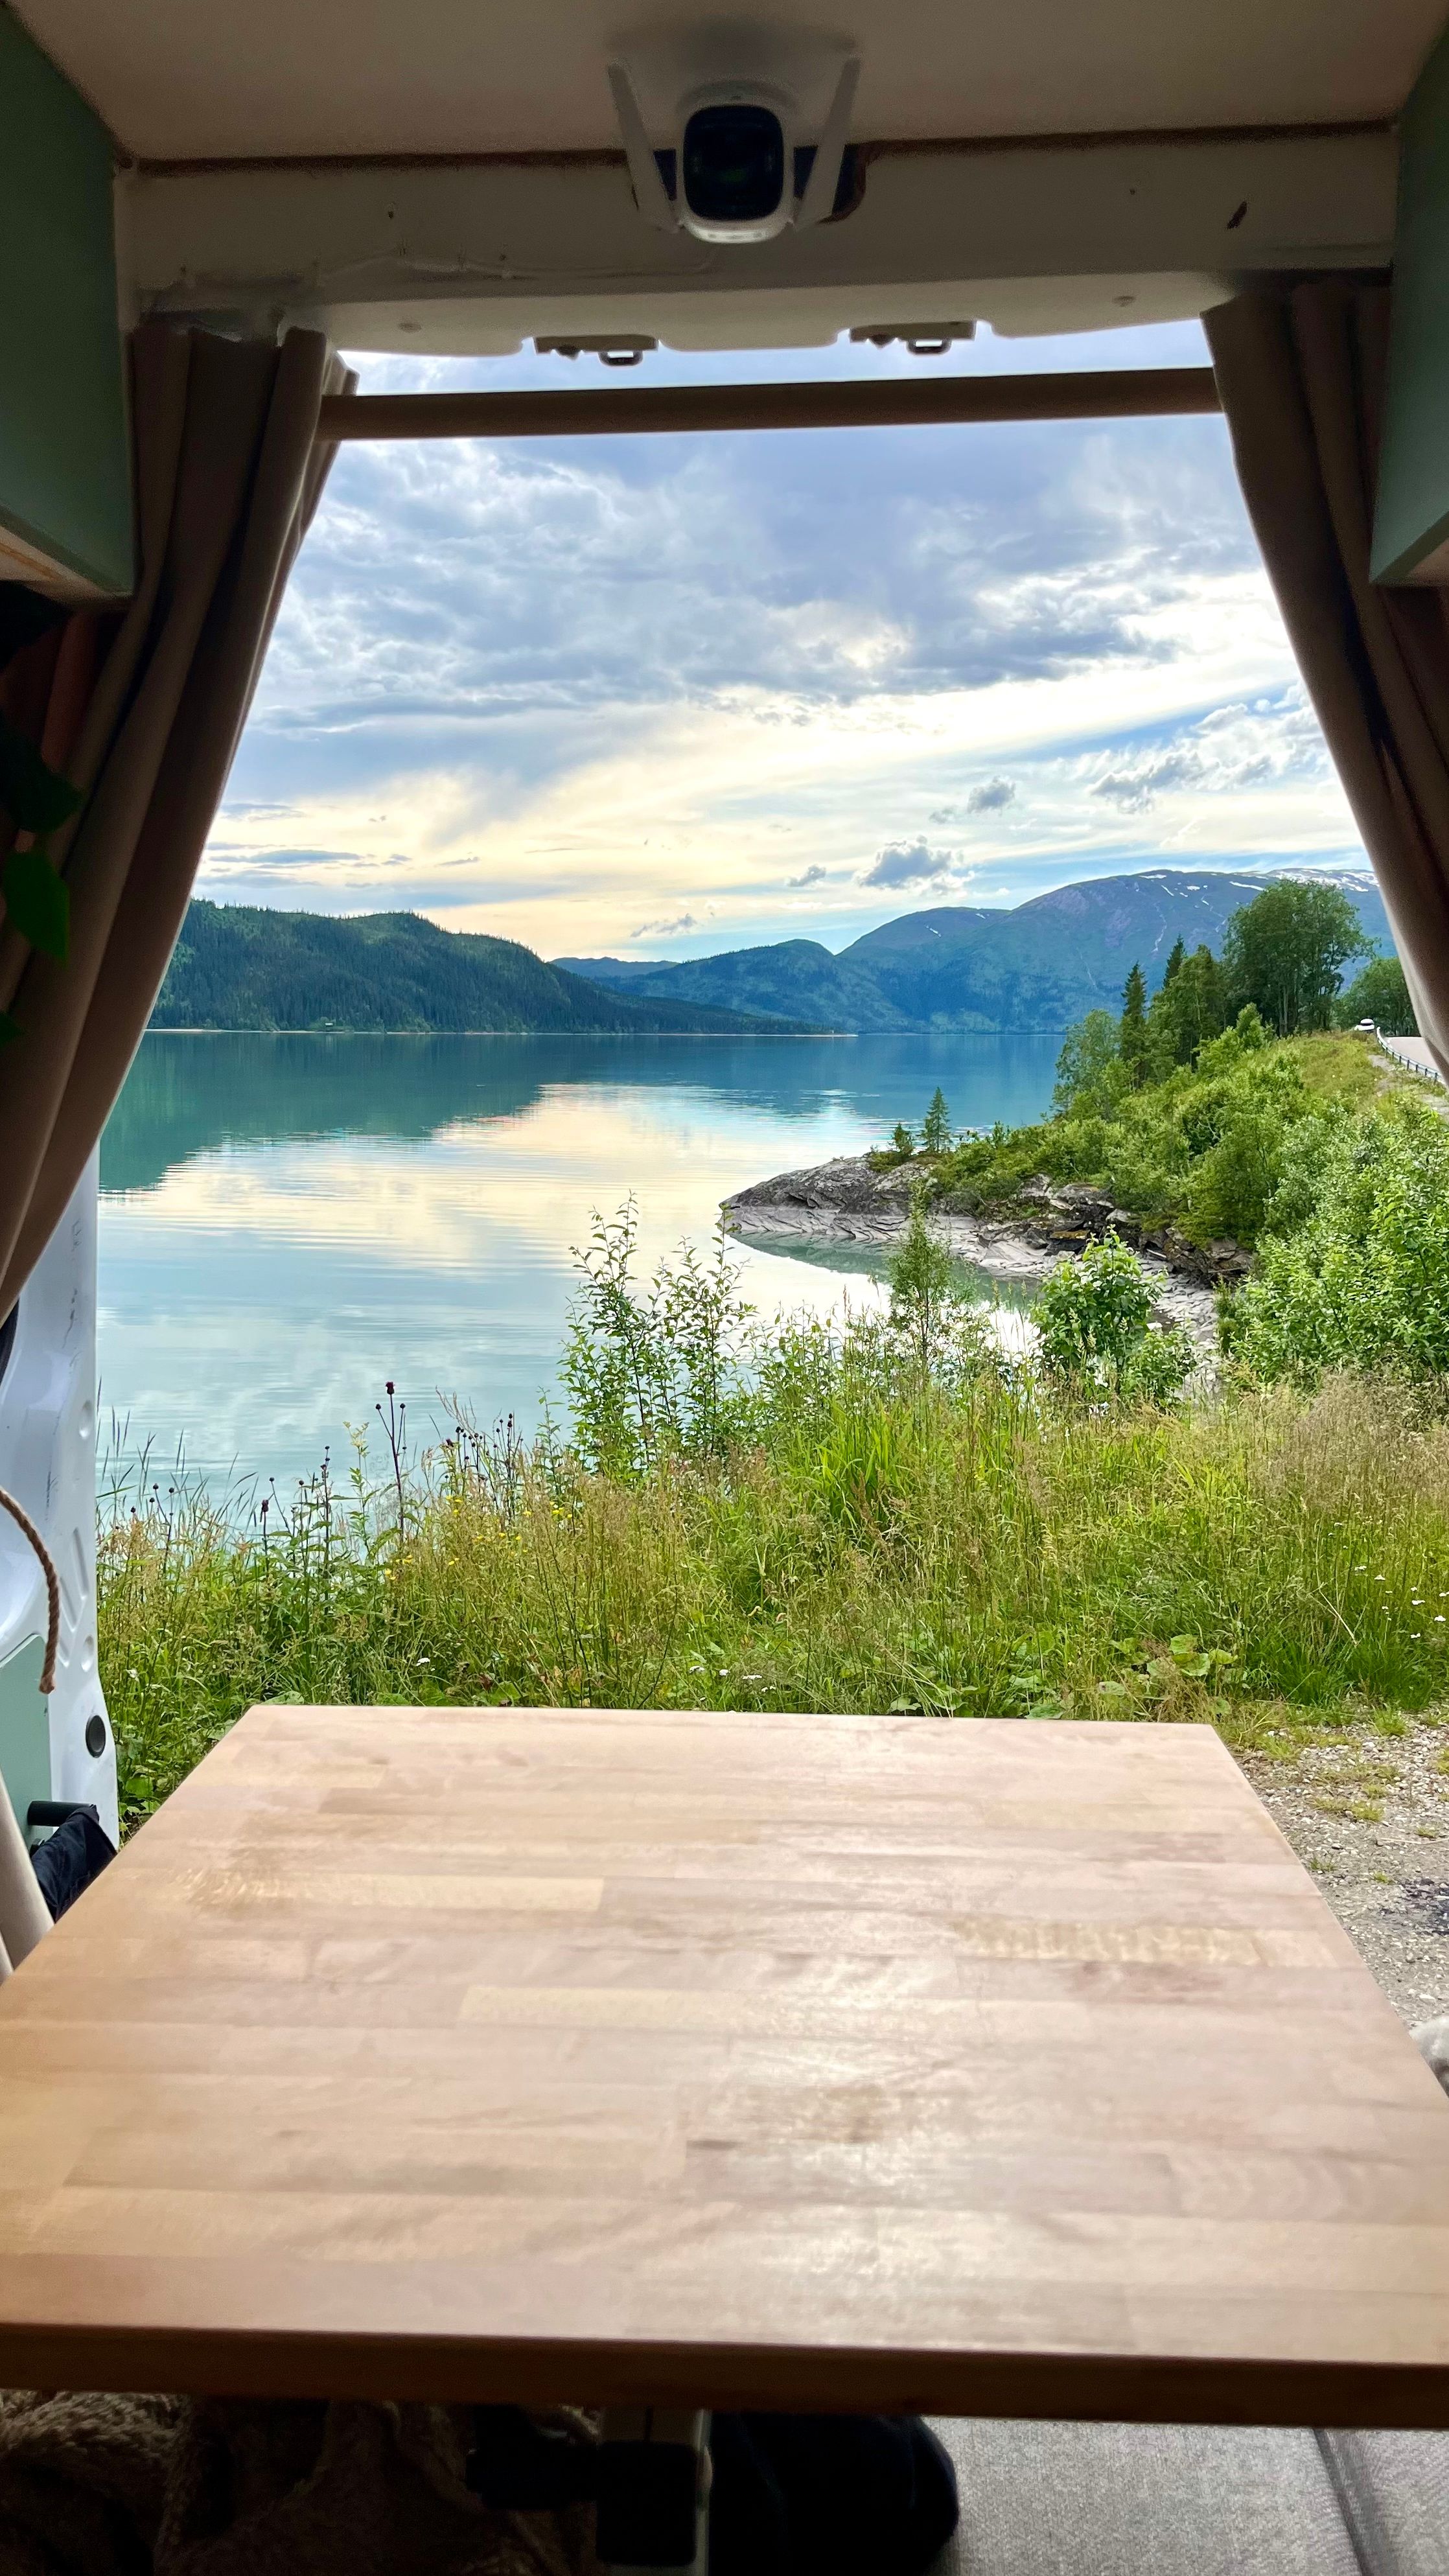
{"x":1272,"y":1561}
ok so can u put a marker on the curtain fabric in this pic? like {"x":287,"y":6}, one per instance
{"x":24,"y":1914}
{"x":142,"y":709}
{"x":1302,"y":381}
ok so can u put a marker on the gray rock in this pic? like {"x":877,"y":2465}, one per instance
{"x":1431,"y":2038}
{"x":847,"y":1201}
{"x":849,"y":1186}
{"x":1084,"y":1205}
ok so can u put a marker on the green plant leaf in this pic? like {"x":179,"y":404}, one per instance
{"x":1182,"y":1646}
{"x":36,"y":902}
{"x":31,"y":793}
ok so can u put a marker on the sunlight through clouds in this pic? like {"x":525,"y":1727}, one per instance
{"x":697,"y":693}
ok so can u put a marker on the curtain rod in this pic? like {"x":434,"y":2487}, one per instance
{"x":1123,"y":393}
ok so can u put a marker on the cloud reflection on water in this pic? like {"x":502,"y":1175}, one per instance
{"x":257,"y":1289}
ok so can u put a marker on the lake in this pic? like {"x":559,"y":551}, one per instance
{"x":287,"y":1222}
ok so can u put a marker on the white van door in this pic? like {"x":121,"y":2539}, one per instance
{"x":60,"y":1749}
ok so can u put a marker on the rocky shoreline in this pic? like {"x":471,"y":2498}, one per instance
{"x":849,"y":1201}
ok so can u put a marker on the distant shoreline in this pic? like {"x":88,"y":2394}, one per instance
{"x":736,"y":1037}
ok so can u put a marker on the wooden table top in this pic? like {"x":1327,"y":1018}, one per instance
{"x":894,"y":2063}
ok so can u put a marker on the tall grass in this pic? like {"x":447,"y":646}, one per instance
{"x":856,"y":1536}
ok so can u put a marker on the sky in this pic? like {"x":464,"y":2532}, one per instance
{"x":661,"y":696}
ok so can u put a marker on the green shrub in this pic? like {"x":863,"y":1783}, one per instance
{"x":1090,"y":1069}
{"x":1362,"y":1282}
{"x":1095,"y":1333}
{"x":1190,"y":1008}
{"x":656,"y":1372}
{"x":920,"y":1282}
{"x":1206,"y":1148}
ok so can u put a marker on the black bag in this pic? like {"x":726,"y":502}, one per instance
{"x":790,"y":2495}
{"x":828,"y":2495}
{"x":67,"y":1860}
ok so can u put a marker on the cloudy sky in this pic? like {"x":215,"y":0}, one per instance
{"x":657,"y":696}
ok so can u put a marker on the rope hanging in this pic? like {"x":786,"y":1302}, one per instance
{"x":52,"y":1586}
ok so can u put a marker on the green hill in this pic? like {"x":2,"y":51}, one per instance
{"x":241,"y":967}
{"x":797,"y":978}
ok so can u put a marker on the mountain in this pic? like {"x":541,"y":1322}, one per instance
{"x":967,"y":966}
{"x":239,"y":967}
{"x":798,"y":976}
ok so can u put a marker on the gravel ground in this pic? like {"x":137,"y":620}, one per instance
{"x":1369,"y":1815}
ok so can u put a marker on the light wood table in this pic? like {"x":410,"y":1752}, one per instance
{"x":890,"y":2063}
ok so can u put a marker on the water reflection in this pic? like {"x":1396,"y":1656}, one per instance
{"x":286,"y":1222}
{"x":869,"y":1260}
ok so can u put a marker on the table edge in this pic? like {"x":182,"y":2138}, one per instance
{"x":1083,"y":2387}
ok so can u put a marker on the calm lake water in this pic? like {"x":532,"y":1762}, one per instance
{"x":287,"y":1222}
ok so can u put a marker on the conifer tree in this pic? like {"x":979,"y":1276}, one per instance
{"x":936,"y":1125}
{"x":1132,"y":1033}
{"x":1190,"y":1008}
{"x":920,"y":1282}
{"x":1174,"y":962}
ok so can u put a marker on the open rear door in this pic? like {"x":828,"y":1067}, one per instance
{"x":61,"y":1749}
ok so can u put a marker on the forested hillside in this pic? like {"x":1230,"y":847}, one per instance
{"x":239,"y":967}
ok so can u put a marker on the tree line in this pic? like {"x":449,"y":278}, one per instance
{"x":1284,"y":956}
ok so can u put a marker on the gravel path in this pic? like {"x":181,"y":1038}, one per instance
{"x":1369,"y":1815}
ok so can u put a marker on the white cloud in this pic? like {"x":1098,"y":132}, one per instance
{"x":917,"y":865}
{"x":555,"y":690}
{"x":673,"y":926}
{"x":1133,"y":790}
{"x":1230,"y":749}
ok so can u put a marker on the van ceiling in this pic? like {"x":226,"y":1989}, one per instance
{"x":201,"y":79}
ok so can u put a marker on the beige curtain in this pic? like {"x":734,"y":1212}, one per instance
{"x":1302,"y":378}
{"x":142,"y":709}
{"x":24,"y":1915}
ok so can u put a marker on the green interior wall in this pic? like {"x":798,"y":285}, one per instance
{"x":1412,"y":516}
{"x":24,"y":1728}
{"x":65,"y":474}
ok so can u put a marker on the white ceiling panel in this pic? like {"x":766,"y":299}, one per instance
{"x":186,"y":79}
